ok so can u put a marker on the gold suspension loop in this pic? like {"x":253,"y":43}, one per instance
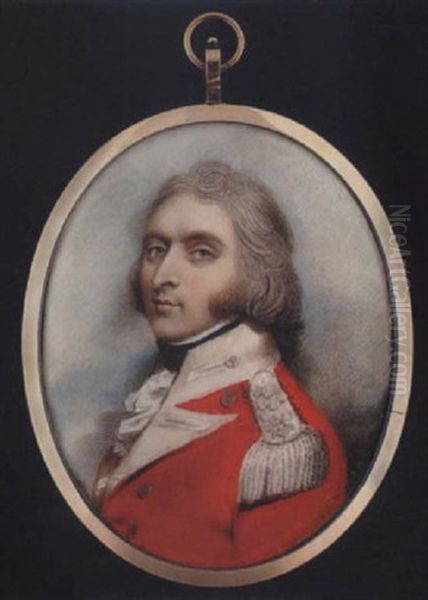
{"x":187,"y":39}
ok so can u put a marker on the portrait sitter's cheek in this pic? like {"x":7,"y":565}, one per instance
{"x":190,"y":258}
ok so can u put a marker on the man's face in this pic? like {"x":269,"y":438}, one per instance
{"x":189,"y":265}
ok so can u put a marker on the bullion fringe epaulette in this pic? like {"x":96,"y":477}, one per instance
{"x":290,"y":457}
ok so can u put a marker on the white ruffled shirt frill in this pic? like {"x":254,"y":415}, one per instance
{"x":141,"y":407}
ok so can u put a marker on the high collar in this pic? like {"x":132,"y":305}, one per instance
{"x":234,"y":356}
{"x":172,"y":355}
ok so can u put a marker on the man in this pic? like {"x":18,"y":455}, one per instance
{"x":221,"y":459}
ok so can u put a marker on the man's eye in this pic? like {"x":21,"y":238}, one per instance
{"x":202,"y":254}
{"x":154,"y":251}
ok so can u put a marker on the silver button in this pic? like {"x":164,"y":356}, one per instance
{"x":228,"y":399}
{"x":231,"y":362}
{"x":144,"y":490}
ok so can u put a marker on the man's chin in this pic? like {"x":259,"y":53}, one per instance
{"x":169,"y":335}
{"x":165,"y":334}
{"x":169,"y":339}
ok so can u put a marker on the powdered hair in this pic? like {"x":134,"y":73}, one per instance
{"x":268,"y":292}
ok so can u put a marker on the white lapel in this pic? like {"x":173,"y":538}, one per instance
{"x":232,"y":357}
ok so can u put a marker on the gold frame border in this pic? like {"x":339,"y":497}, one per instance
{"x":33,"y":315}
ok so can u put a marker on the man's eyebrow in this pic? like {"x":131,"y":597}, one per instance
{"x":154,"y":235}
{"x":188,"y":237}
{"x":203,"y":236}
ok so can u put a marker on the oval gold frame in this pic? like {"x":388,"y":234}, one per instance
{"x":33,"y":314}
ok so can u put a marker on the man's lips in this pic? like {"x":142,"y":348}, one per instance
{"x":164,"y":302}
{"x":164,"y":305}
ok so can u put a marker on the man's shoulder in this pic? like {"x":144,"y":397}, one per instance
{"x":297,"y":447}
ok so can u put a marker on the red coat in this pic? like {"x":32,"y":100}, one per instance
{"x":184,"y":507}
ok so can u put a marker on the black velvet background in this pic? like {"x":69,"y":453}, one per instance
{"x":75,"y":73}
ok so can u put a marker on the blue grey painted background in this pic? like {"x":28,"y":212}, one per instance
{"x":97,"y":347}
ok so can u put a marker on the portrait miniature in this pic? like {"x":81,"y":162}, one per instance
{"x":221,"y":459}
{"x":213,"y":372}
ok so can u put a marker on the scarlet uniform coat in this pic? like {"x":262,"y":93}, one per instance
{"x":180,"y":500}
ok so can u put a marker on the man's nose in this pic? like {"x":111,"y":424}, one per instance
{"x":168,"y":271}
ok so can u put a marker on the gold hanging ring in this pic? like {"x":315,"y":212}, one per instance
{"x":187,"y":39}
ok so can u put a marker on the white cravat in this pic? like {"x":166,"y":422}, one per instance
{"x":140,"y":407}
